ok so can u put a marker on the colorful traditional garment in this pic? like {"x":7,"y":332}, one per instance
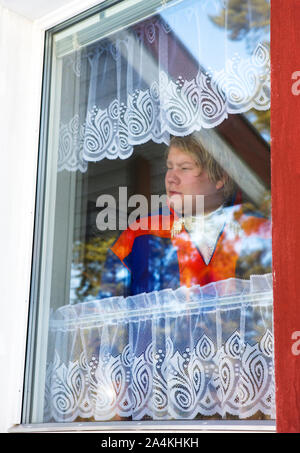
{"x":230,"y":242}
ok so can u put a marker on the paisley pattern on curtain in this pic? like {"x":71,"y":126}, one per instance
{"x":202,"y":351}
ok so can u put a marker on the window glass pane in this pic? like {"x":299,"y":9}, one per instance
{"x":153,"y":283}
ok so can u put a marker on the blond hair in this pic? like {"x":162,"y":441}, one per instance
{"x":204,"y":160}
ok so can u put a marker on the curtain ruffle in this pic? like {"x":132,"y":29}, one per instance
{"x":200,"y":351}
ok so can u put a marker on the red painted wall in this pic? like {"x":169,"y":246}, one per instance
{"x":285,"y":165}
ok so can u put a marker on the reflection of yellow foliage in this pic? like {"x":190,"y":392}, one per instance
{"x":88,"y":260}
{"x":265,"y":205}
{"x":264,"y":208}
{"x":252,"y":264}
{"x":93,"y":250}
{"x":262,"y":120}
{"x":253,"y":225}
{"x":239,"y":19}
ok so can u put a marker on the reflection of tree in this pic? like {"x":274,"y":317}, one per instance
{"x":261,"y":121}
{"x":250,"y":21}
{"x":241,"y":18}
{"x":88,"y":260}
{"x":261,"y":210}
{"x":252,"y":264}
{"x":257,"y":261}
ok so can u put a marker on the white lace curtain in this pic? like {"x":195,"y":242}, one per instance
{"x":169,"y":74}
{"x":203,"y":351}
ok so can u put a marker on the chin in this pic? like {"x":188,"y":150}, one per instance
{"x":176,"y":204}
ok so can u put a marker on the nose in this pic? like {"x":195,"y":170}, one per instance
{"x":172,"y":176}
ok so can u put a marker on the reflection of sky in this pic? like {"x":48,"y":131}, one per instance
{"x":210,"y":46}
{"x":253,"y":244}
{"x":210,"y":43}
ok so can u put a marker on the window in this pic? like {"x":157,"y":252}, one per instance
{"x":152,"y":285}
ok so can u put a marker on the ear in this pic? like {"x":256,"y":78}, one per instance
{"x":220,"y":184}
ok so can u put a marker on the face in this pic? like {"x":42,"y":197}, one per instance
{"x":185,"y":177}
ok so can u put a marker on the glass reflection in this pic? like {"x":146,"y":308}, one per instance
{"x":225,"y":238}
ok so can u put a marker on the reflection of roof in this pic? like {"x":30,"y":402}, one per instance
{"x":249,"y":145}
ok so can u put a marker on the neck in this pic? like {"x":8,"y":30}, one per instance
{"x":212,"y":203}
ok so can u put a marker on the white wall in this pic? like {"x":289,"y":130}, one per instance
{"x":21,"y":47}
{"x":21,"y":60}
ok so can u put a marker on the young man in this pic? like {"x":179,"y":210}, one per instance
{"x":210,"y":237}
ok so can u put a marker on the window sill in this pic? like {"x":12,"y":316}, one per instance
{"x":240,"y":426}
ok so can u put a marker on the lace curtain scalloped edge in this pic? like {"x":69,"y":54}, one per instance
{"x":236,"y":379}
{"x":167,"y":107}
